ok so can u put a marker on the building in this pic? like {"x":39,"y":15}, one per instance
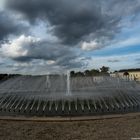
{"x":131,"y":74}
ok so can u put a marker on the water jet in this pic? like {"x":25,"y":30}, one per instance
{"x":62,"y":95}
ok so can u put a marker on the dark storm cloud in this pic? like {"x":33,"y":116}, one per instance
{"x":9,"y":25}
{"x":30,"y":49}
{"x":77,"y":20}
{"x":1,"y":63}
{"x":122,"y":8}
{"x":74,"y":22}
{"x":47,"y":51}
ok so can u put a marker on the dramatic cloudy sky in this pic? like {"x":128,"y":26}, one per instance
{"x":45,"y":36}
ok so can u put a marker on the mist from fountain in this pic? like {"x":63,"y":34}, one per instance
{"x":64,"y":86}
{"x":62,"y":93}
{"x":68,"y":93}
{"x":47,"y":82}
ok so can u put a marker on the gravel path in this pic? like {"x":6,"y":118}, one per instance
{"x":123,"y":128}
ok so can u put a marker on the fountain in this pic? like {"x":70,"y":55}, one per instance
{"x":68,"y":93}
{"x":62,"y":95}
{"x":47,"y":82}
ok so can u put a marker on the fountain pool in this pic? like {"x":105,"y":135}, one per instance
{"x":62,"y":95}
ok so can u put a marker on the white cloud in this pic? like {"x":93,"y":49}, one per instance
{"x":43,"y":30}
{"x":131,"y":41}
{"x":88,"y":46}
{"x":50,"y":62}
{"x":32,"y":53}
{"x":127,"y":42}
{"x":2,"y":4}
{"x":121,"y":43}
{"x":124,"y":61}
{"x":18,"y":47}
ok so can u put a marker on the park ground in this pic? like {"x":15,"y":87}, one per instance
{"x":121,"y":128}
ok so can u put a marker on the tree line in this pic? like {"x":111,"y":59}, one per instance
{"x":7,"y":76}
{"x":93,"y":72}
{"x":103,"y":71}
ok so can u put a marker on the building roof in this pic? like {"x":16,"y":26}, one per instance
{"x":130,"y":70}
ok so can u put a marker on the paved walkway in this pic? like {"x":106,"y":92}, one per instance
{"x":124,"y":127}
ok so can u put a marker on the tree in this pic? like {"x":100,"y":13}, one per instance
{"x":87,"y":73}
{"x":72,"y":73}
{"x":79,"y":74}
{"x":104,"y":69}
{"x":94,"y":72}
{"x":126,"y":73}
